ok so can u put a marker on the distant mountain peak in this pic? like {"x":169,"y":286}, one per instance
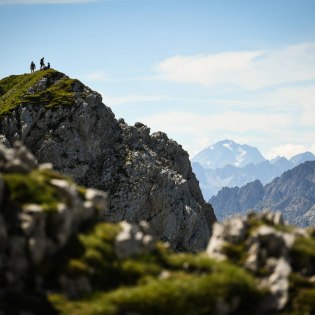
{"x":302,"y":157}
{"x":228,"y":152}
{"x":229,"y":164}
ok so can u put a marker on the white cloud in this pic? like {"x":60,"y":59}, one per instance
{"x":286,"y":150}
{"x":96,"y":76}
{"x":128,"y":99}
{"x":178,"y":122}
{"x":205,"y":69}
{"x":298,"y":99}
{"x":2,"y":2}
{"x":248,"y":69}
{"x":263,"y":130}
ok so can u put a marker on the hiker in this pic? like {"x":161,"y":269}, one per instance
{"x":48,"y":66}
{"x":33,"y":67}
{"x":42,"y":64}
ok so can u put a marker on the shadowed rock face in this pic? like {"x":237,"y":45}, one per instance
{"x":148,"y":176}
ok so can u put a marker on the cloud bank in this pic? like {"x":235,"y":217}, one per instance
{"x":246,"y":69}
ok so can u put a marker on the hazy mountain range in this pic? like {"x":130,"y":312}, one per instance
{"x":293,"y":193}
{"x":229,"y":164}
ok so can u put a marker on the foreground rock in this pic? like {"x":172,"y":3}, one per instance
{"x":58,"y":256}
{"x":148,"y":176}
{"x":40,"y":211}
{"x":272,"y":251}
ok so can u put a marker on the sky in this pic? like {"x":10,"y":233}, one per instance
{"x":200,"y":70}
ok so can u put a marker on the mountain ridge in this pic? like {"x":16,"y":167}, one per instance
{"x":292,"y":193}
{"x":214,"y":179}
{"x":148,"y":176}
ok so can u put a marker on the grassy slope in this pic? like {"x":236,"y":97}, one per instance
{"x":16,"y":90}
{"x":192,"y":285}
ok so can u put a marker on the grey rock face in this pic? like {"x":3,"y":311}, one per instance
{"x":266,"y":249}
{"x":148,"y":176}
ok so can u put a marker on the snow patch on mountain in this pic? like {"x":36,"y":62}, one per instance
{"x":229,"y":164}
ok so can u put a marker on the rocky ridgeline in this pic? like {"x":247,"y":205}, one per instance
{"x":58,"y":256}
{"x":147,"y":176}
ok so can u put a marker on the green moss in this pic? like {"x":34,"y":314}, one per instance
{"x":302,"y":254}
{"x":236,"y":252}
{"x":192,"y":283}
{"x":33,"y":187}
{"x":77,"y":267}
{"x":305,"y":301}
{"x":181,"y":293}
{"x":189,"y":262}
{"x":81,"y":191}
{"x":255,"y":222}
{"x":302,"y":290}
{"x":97,"y":260}
{"x":302,"y":295}
{"x":15,"y":90}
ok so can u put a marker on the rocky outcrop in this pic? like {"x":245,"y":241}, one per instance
{"x":134,"y":239}
{"x":40,"y":211}
{"x":267,"y":247}
{"x":293,"y":194}
{"x":147,"y":176}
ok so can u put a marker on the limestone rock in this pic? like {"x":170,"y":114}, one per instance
{"x":18,"y":159}
{"x":232,"y":230}
{"x":134,"y":239}
{"x":268,"y":248}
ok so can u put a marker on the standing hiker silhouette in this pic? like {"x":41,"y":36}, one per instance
{"x":33,"y":67}
{"x":42,"y":64}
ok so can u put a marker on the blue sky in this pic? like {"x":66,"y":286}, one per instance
{"x":199,"y":70}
